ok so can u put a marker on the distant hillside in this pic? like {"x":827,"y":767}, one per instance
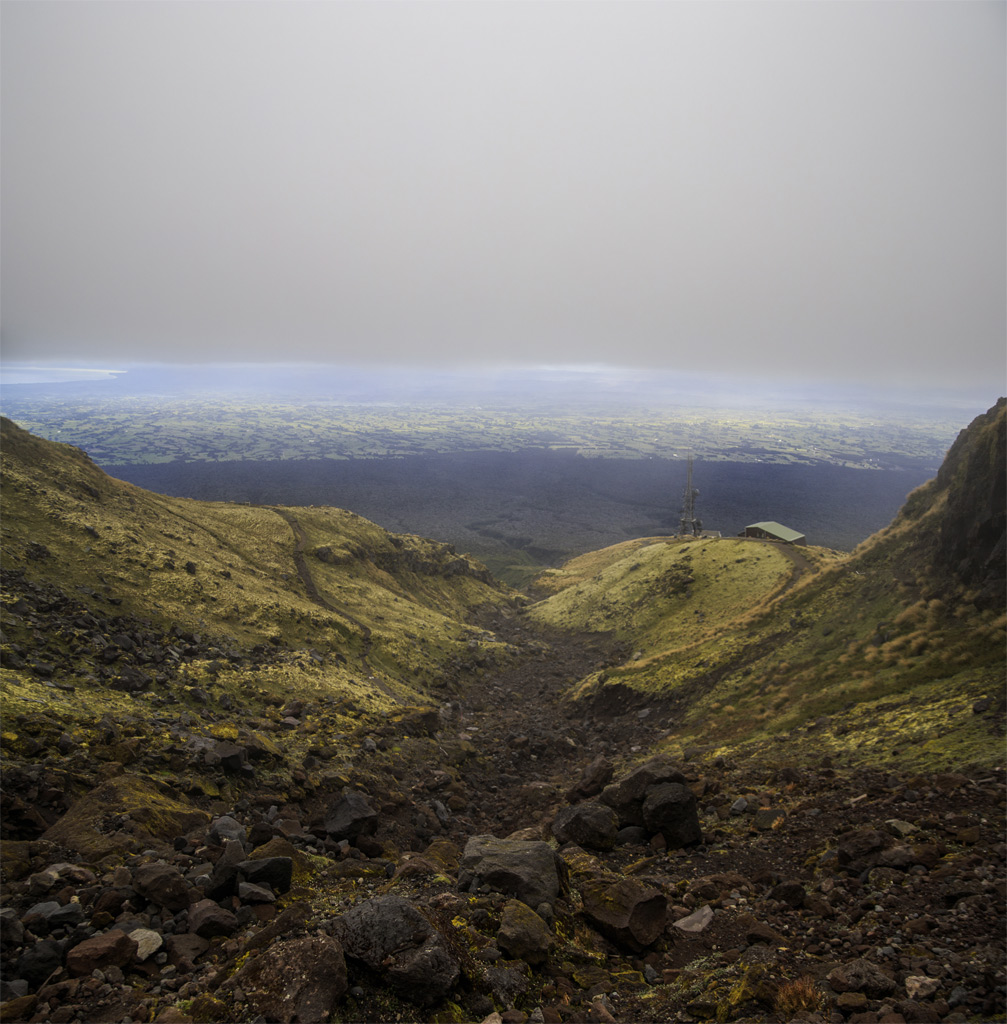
{"x":894,"y":653}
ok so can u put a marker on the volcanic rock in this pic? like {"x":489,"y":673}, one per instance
{"x":207,"y":919}
{"x":110,"y":949}
{"x":164,"y":885}
{"x":349,"y":816}
{"x":390,"y":935}
{"x":520,"y":868}
{"x":299,"y":979}
{"x":587,"y":824}
{"x":626,"y":796}
{"x":627,"y":911}
{"x":670,"y":808}
{"x":861,"y":976}
{"x":523,"y":934}
{"x":593,"y":779}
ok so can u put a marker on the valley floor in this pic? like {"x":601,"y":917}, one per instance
{"x":814,"y":892}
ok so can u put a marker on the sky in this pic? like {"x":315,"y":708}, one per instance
{"x":810,"y":188}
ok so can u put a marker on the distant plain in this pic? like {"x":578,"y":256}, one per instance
{"x":522,"y":468}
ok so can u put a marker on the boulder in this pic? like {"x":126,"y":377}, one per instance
{"x":757,"y":931}
{"x":859,"y":850}
{"x":299,"y":979}
{"x":919,"y":986}
{"x":626,"y":796}
{"x":525,"y":869}
{"x":630,"y":913}
{"x":593,"y":779}
{"x":670,"y":808}
{"x":164,"y":885}
{"x":767,"y":818}
{"x":523,"y":934}
{"x":905,"y":857}
{"x":249,"y":893}
{"x":185,"y":948}
{"x":148,"y":942}
{"x":792,"y":893}
{"x":861,"y":976}
{"x":11,"y":928}
{"x":587,"y":824}
{"x":36,"y":918}
{"x":350,"y":815}
{"x":276,"y":872}
{"x":232,"y":757}
{"x":224,"y":876}
{"x":226,"y":827}
{"x":388,"y":934}
{"x":38,"y":961}
{"x":207,"y":919}
{"x":109,"y":949}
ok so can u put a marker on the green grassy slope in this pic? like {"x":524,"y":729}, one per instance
{"x":879,"y":656}
{"x":230,"y":572}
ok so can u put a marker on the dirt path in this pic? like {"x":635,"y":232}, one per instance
{"x":300,"y":542}
{"x":801,"y":564}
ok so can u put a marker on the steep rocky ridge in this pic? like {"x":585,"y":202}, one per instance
{"x":282,"y":812}
{"x":960,"y":514}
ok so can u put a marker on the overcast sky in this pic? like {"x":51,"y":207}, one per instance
{"x":808,"y":186}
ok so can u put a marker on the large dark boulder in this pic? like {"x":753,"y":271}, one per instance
{"x":164,"y":885}
{"x":276,"y":872}
{"x":523,"y":934}
{"x":670,"y":808}
{"x":295,"y":979}
{"x":525,"y":869}
{"x":626,"y":795}
{"x":349,"y":816}
{"x":593,"y":779}
{"x":38,"y":961}
{"x":630,"y":913}
{"x":207,"y":919}
{"x":587,"y":824}
{"x":390,"y":935}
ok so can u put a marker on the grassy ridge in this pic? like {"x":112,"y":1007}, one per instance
{"x":886,"y":655}
{"x":229,"y":570}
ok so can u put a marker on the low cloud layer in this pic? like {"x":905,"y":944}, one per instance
{"x":812,"y":187}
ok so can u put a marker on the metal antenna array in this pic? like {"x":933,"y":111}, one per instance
{"x":689,"y":525}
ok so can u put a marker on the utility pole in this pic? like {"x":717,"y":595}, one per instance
{"x":689,"y":525}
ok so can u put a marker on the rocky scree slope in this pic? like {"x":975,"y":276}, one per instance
{"x":265,"y":833}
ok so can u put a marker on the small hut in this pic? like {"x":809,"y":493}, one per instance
{"x":774,"y":531}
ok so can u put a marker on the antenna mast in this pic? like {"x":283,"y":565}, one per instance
{"x":689,"y":525}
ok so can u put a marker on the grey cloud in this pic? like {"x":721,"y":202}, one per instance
{"x":816,"y":185}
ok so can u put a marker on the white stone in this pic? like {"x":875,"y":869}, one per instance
{"x":696,"y":921}
{"x":919,"y":986}
{"x":148,"y":942}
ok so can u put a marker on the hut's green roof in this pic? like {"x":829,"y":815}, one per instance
{"x":778,"y":530}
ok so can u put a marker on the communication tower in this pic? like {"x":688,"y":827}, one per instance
{"x":689,"y":525}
